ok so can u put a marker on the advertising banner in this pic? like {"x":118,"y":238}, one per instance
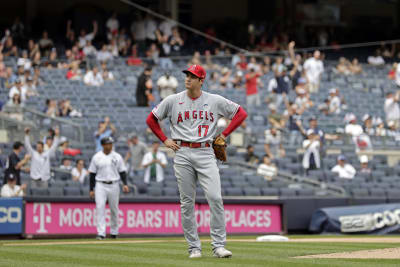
{"x":372,"y":219}
{"x":146,"y":218}
{"x":11,"y":216}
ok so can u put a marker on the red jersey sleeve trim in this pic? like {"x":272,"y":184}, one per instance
{"x":237,"y":120}
{"x":152,"y":122}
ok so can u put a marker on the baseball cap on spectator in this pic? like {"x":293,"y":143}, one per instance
{"x":197,"y":71}
{"x":11,"y":177}
{"x":364,"y":159}
{"x":341,"y":157}
{"x":332,"y":91}
{"x":390,"y":123}
{"x":224,"y":70}
{"x":18,"y":80}
{"x":239,"y":73}
{"x":30,"y":79}
{"x":350,"y":117}
{"x":366,"y":117}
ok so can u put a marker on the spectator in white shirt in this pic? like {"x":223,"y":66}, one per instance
{"x":313,"y":69}
{"x":45,"y":43}
{"x":112,"y":25}
{"x":167,"y":85}
{"x":312,"y":145}
{"x":89,"y":50}
{"x":107,"y":75}
{"x":392,"y":109}
{"x":93,"y":78}
{"x":167,"y":25}
{"x":24,"y":60}
{"x":66,"y":164}
{"x":113,"y":47}
{"x":84,"y":37}
{"x":19,"y":89}
{"x":364,"y":165}
{"x":302,"y":99}
{"x":138,"y":30}
{"x":267,"y":169}
{"x":104,"y":54}
{"x":254,"y":65}
{"x":376,"y":60}
{"x":154,"y":163}
{"x":352,"y":128}
{"x":397,"y":74}
{"x":334,"y":101}
{"x":151,"y":27}
{"x":79,"y":173}
{"x":273,"y":144}
{"x":11,"y":189}
{"x":343,"y":169}
{"x":40,"y":163}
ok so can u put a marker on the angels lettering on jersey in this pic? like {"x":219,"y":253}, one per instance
{"x":195,"y":115}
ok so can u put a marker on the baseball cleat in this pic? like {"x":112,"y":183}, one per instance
{"x":114,"y":236}
{"x":221,"y":252}
{"x":100,"y":237}
{"x":195,"y":254}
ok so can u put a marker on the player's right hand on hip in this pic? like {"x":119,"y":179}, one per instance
{"x":171,"y":144}
{"x":91,"y":194}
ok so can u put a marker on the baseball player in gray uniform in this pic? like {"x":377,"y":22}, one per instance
{"x":106,"y":168}
{"x":193,"y":116}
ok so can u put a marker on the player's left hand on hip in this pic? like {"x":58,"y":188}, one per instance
{"x":125,"y":189}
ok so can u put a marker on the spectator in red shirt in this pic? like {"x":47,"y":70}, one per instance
{"x":134,"y":60}
{"x":252,"y":96}
{"x":242,"y":63}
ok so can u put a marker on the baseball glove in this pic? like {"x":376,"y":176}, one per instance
{"x":219,"y":146}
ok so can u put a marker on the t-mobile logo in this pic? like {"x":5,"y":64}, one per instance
{"x":42,"y":218}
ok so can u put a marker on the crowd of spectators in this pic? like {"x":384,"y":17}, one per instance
{"x":148,"y":42}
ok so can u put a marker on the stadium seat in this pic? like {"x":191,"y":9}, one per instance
{"x":287,"y":192}
{"x":377,"y":192}
{"x":56,"y":191}
{"x":233,"y":191}
{"x":307,"y":192}
{"x":359,"y":192}
{"x":39,"y":192}
{"x":270,"y":191}
{"x":251,"y":191}
{"x":72,"y":191}
{"x":171,"y":192}
{"x":154,"y":191}
{"x":393,"y":193}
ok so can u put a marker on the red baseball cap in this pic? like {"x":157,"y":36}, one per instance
{"x":197,"y":71}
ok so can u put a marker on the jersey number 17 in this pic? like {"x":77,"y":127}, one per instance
{"x":203,"y":127}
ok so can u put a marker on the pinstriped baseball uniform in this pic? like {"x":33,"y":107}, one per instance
{"x":107,"y":169}
{"x":195,"y":120}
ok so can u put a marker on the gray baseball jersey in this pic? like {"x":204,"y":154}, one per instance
{"x":194,"y":120}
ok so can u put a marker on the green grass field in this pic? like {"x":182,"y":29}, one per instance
{"x":172,"y":252}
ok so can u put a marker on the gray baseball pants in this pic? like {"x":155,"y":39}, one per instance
{"x":200,"y":164}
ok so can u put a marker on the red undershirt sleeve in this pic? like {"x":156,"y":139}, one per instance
{"x":237,"y":120}
{"x":152,"y":122}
